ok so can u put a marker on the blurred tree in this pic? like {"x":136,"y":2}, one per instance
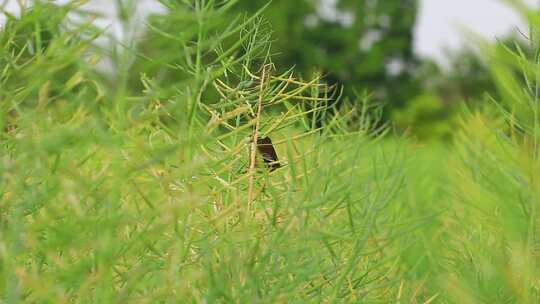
{"x":426,"y":117}
{"x":466,"y":78}
{"x":362,"y":44}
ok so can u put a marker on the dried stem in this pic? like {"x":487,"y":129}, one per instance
{"x":255,"y":136}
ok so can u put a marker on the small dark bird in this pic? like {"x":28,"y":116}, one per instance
{"x":268,"y":153}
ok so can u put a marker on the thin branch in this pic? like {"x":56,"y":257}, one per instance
{"x":255,"y":135}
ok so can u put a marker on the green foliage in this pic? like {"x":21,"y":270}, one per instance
{"x":109,"y":194}
{"x":354,"y":44}
{"x":498,"y":178}
{"x":148,"y":187}
{"x":484,"y":247}
{"x":426,"y":117}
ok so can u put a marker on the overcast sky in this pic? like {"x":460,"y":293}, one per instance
{"x":439,"y":22}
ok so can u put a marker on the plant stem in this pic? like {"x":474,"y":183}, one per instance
{"x":255,"y":135}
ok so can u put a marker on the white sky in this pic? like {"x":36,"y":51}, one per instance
{"x":439,"y":22}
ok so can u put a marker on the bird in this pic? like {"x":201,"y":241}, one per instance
{"x":268,"y":153}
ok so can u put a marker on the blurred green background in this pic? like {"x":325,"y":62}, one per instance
{"x":365,"y":47}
